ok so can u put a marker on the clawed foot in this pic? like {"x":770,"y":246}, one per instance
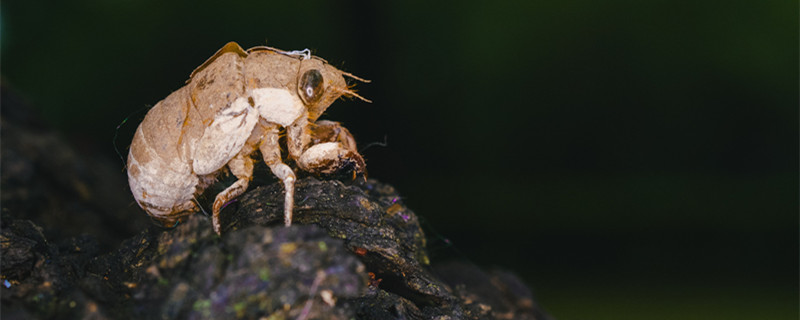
{"x":331,"y":159}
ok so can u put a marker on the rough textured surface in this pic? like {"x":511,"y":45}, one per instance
{"x":354,"y":252}
{"x":68,"y":190}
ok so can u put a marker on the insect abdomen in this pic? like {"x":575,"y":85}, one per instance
{"x":159,"y":175}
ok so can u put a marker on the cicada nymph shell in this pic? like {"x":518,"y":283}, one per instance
{"x":234,"y":104}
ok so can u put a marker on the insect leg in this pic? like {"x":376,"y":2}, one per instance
{"x":334,"y":152}
{"x":241,"y":166}
{"x":298,"y":137}
{"x":332,"y":131}
{"x":270,"y":150}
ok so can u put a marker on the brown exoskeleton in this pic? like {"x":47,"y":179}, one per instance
{"x":235,"y":103}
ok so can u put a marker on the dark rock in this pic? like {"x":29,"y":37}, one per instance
{"x":354,"y":252}
{"x":501,"y":290}
{"x":371,"y":220}
{"x":67,"y":191}
{"x":254,"y":272}
{"x":40,"y":279}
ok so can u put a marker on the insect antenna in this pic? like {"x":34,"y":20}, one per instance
{"x":438,"y":244}
{"x":383,"y":144}
{"x":114,"y":142}
{"x":349,"y":91}
{"x":352,"y":76}
{"x":203,"y":210}
{"x":116,"y":134}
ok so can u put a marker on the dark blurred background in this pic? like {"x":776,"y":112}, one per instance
{"x":630,"y":160}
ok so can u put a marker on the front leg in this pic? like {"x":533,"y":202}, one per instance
{"x":271,"y":151}
{"x":298,"y":136}
{"x":334,"y":151}
{"x":332,"y":131}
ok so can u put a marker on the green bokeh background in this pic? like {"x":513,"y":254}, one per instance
{"x":630,"y":160}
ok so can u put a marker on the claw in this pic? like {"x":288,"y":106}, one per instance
{"x":332,"y":159}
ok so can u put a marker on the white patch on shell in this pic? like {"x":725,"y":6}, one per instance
{"x":160,"y":183}
{"x":224,"y":138}
{"x":278,"y":105}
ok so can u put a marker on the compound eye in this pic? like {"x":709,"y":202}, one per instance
{"x":310,"y":86}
